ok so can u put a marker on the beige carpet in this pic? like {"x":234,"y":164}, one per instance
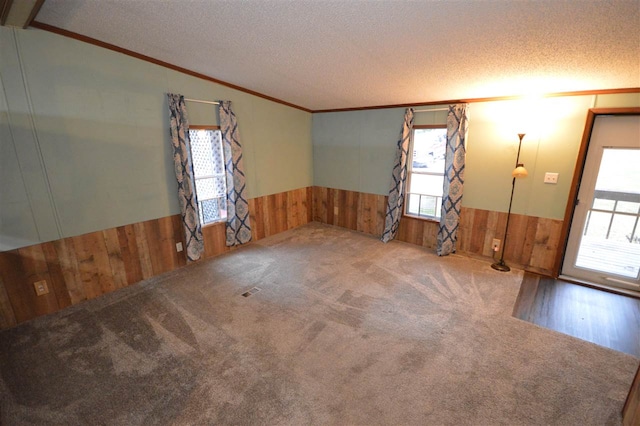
{"x":345,"y":330}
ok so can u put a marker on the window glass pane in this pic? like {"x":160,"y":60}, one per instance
{"x":426,"y":184}
{"x":602,"y":204}
{"x":621,"y":228}
{"x":427,"y":206}
{"x":619,"y":171}
{"x":213,"y":210}
{"x":627,"y":207}
{"x":201,"y":152}
{"x":413,"y":204}
{"x":424,"y":192}
{"x":210,"y":188}
{"x":218,"y":158}
{"x":209,"y":173}
{"x":597,"y":224}
{"x":429,"y":150}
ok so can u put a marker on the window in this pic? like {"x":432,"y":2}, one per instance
{"x":209,"y":173}
{"x":426,"y":172}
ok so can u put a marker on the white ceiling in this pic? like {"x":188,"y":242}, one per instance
{"x":324,"y":54}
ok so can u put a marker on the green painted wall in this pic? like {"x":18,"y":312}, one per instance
{"x":352,"y":150}
{"x":355,"y":150}
{"x":84,"y":137}
{"x":85,"y":140}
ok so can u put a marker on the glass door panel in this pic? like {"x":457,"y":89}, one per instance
{"x":604,"y":241}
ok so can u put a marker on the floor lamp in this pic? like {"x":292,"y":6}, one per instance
{"x":518,"y":172}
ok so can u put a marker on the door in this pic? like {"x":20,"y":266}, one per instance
{"x":604,"y":239}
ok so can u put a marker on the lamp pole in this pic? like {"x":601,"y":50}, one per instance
{"x":500,"y":265}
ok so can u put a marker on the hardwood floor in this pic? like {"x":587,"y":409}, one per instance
{"x":603,"y":318}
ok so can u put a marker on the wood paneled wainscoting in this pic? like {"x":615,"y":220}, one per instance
{"x":631,"y":410}
{"x":532,"y":245}
{"x":90,"y":265}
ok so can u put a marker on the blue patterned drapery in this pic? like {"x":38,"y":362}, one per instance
{"x":238,"y":223}
{"x":179,"y":127}
{"x":457,"y":126}
{"x":399,"y":179}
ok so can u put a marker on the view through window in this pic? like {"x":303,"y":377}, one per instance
{"x":611,"y":237}
{"x":209,"y":174}
{"x":426,"y":172}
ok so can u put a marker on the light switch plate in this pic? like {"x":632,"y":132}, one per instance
{"x":551,"y":178}
{"x":179,"y":246}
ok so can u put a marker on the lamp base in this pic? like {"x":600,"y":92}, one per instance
{"x":501,"y":266}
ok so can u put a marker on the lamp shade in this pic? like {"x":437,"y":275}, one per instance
{"x":519,"y":171}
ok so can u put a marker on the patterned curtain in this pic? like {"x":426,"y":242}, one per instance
{"x":399,"y":179}
{"x":457,"y":125}
{"x":238,"y":224}
{"x":179,"y":126}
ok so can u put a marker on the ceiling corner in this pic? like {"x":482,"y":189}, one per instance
{"x":20,"y":13}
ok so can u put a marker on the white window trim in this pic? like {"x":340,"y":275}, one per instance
{"x":219,"y":196}
{"x":410,"y":172}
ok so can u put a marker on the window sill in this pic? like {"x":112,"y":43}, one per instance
{"x":219,"y":222}
{"x":425,"y":218}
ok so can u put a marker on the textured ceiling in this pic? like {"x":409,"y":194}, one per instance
{"x":322,"y":54}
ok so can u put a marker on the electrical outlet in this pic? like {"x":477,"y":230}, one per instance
{"x":551,"y":178}
{"x":41,"y":287}
{"x":495,"y":244}
{"x":179,"y":247}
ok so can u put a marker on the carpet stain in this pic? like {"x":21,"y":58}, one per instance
{"x":312,"y":332}
{"x":166,"y":315}
{"x":348,"y":316}
{"x":125,"y":359}
{"x":381,"y":276}
{"x":127,"y":323}
{"x":413,"y":360}
{"x":362,"y":265}
{"x":360,"y":302}
{"x":361,"y":367}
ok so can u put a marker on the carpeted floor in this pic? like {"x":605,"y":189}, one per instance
{"x":345,"y":330}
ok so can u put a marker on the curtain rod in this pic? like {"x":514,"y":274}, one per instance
{"x":431,"y":110}
{"x":202,"y":102}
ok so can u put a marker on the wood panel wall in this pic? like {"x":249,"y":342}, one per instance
{"x":631,"y":410}
{"x":349,"y":209}
{"x":90,"y":265}
{"x":532,"y":244}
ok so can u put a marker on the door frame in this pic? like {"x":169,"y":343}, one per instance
{"x":577,"y":177}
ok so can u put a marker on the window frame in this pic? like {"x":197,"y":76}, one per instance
{"x":214,"y":128}
{"x":410,"y":172}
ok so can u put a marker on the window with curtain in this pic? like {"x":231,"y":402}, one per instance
{"x":209,"y":173}
{"x":426,"y":172}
